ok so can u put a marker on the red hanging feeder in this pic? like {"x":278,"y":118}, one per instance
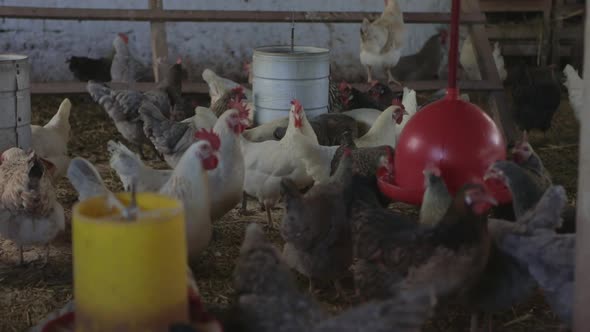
{"x":452,"y":134}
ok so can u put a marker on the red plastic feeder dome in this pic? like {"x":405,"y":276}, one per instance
{"x":452,"y":134}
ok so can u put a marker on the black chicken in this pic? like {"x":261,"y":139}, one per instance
{"x":89,"y":69}
{"x":536,"y":96}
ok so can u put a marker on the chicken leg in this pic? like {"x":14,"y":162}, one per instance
{"x":268,"y":216}
{"x":244,"y":209}
{"x":390,"y":78}
{"x":46,"y":258}
{"x":369,"y":74}
{"x":22,"y":257}
{"x":140,"y":151}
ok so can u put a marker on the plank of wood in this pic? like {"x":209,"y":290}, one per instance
{"x":202,"y":88}
{"x":490,"y":6}
{"x":85,"y":14}
{"x":159,"y":43}
{"x":527,"y":32}
{"x":581,"y":319}
{"x":75,"y":87}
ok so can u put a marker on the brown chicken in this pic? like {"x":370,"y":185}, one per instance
{"x":425,"y":64}
{"x":29,"y":211}
{"x":315,"y":226}
{"x":449,"y":256}
{"x":231,"y":96}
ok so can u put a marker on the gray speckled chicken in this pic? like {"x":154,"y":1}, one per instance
{"x":405,"y":312}
{"x":316,"y":226}
{"x":29,"y":211}
{"x":268,"y":298}
{"x":549,"y":257}
{"x":449,"y":256}
{"x":506,"y":281}
{"x":123,"y":106}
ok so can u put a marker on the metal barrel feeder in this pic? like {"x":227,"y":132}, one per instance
{"x":282,"y":73}
{"x":15,"y":102}
{"x":454,"y":135}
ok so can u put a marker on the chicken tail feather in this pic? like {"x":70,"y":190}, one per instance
{"x":85,"y":179}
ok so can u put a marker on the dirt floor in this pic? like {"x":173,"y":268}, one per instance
{"x":28,"y":293}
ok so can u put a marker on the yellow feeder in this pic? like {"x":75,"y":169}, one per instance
{"x":130,"y":275}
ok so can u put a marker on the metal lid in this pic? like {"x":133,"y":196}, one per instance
{"x":12,"y":57}
{"x":285,"y":50}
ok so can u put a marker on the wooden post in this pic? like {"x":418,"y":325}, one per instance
{"x":159,"y":43}
{"x":487,"y":67}
{"x":582,"y":277}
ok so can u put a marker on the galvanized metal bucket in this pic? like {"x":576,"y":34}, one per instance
{"x":280,"y":75}
{"x":15,"y":102}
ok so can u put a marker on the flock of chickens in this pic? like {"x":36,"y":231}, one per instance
{"x":463,"y":248}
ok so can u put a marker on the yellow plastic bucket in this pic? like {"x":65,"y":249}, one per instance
{"x":129,"y":275}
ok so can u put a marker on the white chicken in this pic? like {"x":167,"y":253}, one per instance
{"x":385,"y":129}
{"x":226,"y":181}
{"x":382,"y":40}
{"x":188,"y":183}
{"x":131,"y":169}
{"x":468,"y":60}
{"x":410,"y":106}
{"x":267,"y":162}
{"x":318,"y":158}
{"x":29,"y":211}
{"x":125,"y":67}
{"x":575,"y":89}
{"x":50,"y":141}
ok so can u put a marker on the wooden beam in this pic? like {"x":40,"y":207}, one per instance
{"x":490,"y":6}
{"x":530,"y":49}
{"x":159,"y":43}
{"x":527,"y":32}
{"x":85,"y":14}
{"x":582,"y":275}
{"x":80,"y":87}
{"x":202,"y":88}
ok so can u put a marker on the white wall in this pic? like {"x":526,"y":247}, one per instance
{"x":221,"y":46}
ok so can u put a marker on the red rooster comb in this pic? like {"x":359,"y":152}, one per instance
{"x":343,"y":86}
{"x":238,"y":90}
{"x":179,"y":61}
{"x":239,"y":105}
{"x":397,"y":102}
{"x":297,"y":105}
{"x":210,"y":137}
{"x":124,"y":37}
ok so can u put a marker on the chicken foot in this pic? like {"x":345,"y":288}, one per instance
{"x":369,"y":74}
{"x":390,"y":78}
{"x":22,"y":256}
{"x":46,"y":258}
{"x":244,"y":209}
